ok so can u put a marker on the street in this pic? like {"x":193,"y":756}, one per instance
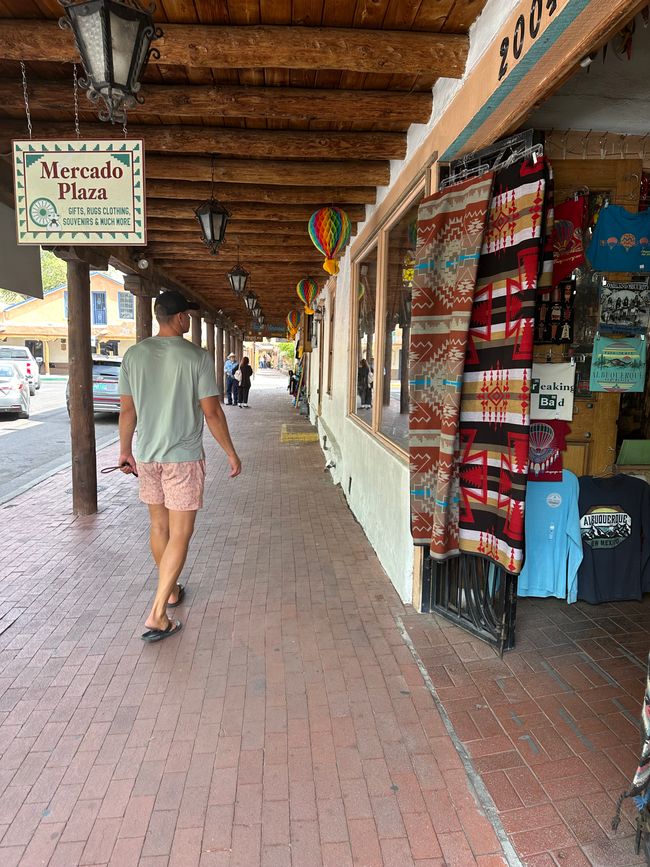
{"x":31,"y":449}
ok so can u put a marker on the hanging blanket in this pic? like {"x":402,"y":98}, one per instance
{"x":495,"y":403}
{"x":451,"y":225}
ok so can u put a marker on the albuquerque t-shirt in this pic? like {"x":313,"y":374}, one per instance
{"x":615,"y":528}
{"x":621,"y":241}
{"x":553,"y":546}
{"x":167,"y":377}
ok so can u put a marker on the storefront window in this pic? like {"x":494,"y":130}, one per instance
{"x":365,"y":350}
{"x":399,"y":283}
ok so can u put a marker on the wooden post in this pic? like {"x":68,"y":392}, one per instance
{"x":143,"y":292}
{"x":209,"y":329}
{"x":82,"y":419}
{"x":196,"y":327}
{"x":388,"y":362}
{"x":46,"y":356}
{"x":219,"y":361}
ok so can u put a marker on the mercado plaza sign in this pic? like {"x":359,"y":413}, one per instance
{"x":80,"y":192}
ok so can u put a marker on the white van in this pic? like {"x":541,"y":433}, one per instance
{"x":25,"y":362}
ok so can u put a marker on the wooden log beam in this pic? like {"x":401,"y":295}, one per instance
{"x":274,"y":172}
{"x":232,"y":242}
{"x":224,"y":141}
{"x":235,"y":227}
{"x":261,"y":46}
{"x":274,"y":103}
{"x":297,"y":213}
{"x":163,"y":188}
{"x":248,"y":258}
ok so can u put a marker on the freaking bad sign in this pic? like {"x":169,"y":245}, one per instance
{"x":80,"y":192}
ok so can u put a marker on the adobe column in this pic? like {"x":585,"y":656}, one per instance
{"x":209,"y":335}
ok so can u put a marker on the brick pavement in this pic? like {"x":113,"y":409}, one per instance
{"x":553,"y":727}
{"x":288,"y":724}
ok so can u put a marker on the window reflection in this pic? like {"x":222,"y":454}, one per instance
{"x":402,"y":239}
{"x":366,"y":309}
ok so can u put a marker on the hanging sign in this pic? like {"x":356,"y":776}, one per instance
{"x":273,"y":330}
{"x":618,"y":365}
{"x":625,"y":306}
{"x":80,"y":192}
{"x":551,"y":392}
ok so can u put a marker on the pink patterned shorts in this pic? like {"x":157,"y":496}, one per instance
{"x":178,"y":487}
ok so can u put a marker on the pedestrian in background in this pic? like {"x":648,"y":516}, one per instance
{"x":245,"y":382}
{"x":232,"y":386}
{"x":168,"y":388}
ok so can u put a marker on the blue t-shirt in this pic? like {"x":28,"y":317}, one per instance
{"x":553,"y":543}
{"x":621,"y":241}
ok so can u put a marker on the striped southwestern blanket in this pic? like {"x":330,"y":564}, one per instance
{"x":451,"y":225}
{"x":495,"y":403}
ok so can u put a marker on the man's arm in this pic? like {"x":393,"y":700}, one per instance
{"x":216,"y":421}
{"x":128,"y":419}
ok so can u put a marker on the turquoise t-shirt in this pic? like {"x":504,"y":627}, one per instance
{"x":167,"y":377}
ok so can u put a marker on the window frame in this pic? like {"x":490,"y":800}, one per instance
{"x":93,"y":307}
{"x":378,"y":240}
{"x":120,"y":296}
{"x":331,"y":306}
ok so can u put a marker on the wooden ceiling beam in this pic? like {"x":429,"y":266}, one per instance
{"x":274,"y":103}
{"x":162,"y":188}
{"x":247,"y":258}
{"x":188,"y":223}
{"x":225,"y":141}
{"x":279,"y":172}
{"x":249,"y":211}
{"x":259,"y":46}
{"x":233,"y":241}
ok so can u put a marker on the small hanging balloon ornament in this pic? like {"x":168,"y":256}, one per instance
{"x":329,"y":230}
{"x":307,"y":290}
{"x":292,"y":321}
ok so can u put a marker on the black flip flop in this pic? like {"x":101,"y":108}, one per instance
{"x":152,"y":635}
{"x":181,"y":596}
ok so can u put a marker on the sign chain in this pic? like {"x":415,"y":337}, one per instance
{"x":124,"y":124}
{"x":76,"y":100}
{"x":26,"y":98}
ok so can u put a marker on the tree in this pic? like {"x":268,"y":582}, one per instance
{"x":288,"y":350}
{"x":8,"y":297}
{"x":54,"y":271}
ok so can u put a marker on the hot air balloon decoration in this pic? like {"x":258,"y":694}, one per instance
{"x":329,"y":230}
{"x":307,"y":290}
{"x":293,"y":320}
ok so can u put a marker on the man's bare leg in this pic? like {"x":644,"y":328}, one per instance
{"x":158,"y":531}
{"x":172,"y":559}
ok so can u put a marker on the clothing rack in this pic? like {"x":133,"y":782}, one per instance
{"x":495,"y":156}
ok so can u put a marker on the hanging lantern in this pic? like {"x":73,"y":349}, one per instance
{"x":114,"y":40}
{"x":307,"y":290}
{"x":238,"y":278}
{"x":250,"y":300}
{"x":329,"y":230}
{"x":213,"y":219}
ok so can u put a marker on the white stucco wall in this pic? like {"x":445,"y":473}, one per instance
{"x":374,"y":480}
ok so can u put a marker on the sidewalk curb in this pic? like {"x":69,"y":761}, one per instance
{"x":474,"y":781}
{"x":58,"y":469}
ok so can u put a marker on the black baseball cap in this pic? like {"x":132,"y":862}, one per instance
{"x":173,"y":302}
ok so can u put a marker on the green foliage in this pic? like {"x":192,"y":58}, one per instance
{"x":53,"y":270}
{"x":288,"y":350}
{"x":8,"y":297}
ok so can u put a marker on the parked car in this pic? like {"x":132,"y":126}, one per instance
{"x":25,"y":361}
{"x":14,"y":390}
{"x":106,"y":374}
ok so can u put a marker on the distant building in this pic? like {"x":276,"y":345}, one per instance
{"x":42,"y":325}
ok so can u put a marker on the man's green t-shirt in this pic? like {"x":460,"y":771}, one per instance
{"x":167,"y":377}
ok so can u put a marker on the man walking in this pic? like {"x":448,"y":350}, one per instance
{"x":168,"y":388}
{"x":232,"y":386}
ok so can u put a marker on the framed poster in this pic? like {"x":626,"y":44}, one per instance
{"x":80,"y":192}
{"x":618,"y":365}
{"x":552,"y":391}
{"x":624,"y":306}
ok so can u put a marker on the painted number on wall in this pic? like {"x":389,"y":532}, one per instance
{"x":524,"y":27}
